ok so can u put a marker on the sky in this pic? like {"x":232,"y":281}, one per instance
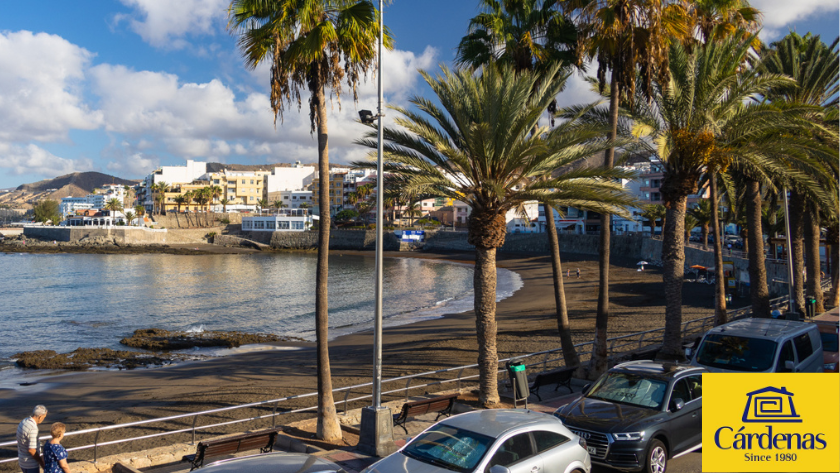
{"x":125,"y":86}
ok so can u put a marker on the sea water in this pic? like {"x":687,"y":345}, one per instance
{"x":64,"y":301}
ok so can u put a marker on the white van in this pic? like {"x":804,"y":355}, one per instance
{"x":761,"y":346}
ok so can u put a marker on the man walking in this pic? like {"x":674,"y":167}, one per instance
{"x":29,"y":452}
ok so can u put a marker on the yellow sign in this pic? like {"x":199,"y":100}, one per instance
{"x":771,"y":422}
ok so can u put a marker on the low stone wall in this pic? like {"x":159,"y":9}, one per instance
{"x":121,"y":235}
{"x":339,"y":240}
{"x":537,"y":243}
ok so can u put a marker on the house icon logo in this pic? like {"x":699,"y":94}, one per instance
{"x":770,"y":405}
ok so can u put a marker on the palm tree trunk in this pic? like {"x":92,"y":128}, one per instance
{"x":599,"y":361}
{"x":673,"y":263}
{"x":758,"y":272}
{"x":720,"y":283}
{"x":484,"y":287}
{"x":328,"y":427}
{"x":812,"y":263}
{"x":704,"y":234}
{"x":797,"y":227}
{"x":832,"y":236}
{"x":570,"y":357}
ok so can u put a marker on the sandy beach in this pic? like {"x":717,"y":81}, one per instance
{"x":526,"y":324}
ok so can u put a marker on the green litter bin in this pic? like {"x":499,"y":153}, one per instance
{"x":810,"y":307}
{"x":519,"y":380}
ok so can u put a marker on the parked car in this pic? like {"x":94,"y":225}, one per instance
{"x":761,"y":346}
{"x":491,"y":441}
{"x":277,"y":462}
{"x":828,"y":324}
{"x":639,"y":414}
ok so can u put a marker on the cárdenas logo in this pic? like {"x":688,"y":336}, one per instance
{"x":771,"y":422}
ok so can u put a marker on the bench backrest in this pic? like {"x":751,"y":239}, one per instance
{"x":554,"y":376}
{"x":214,"y":448}
{"x":424,"y":406}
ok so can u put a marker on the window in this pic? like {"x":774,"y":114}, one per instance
{"x":546,"y":440}
{"x":285,"y":197}
{"x":731,"y":352}
{"x":215,"y":181}
{"x":252,"y":181}
{"x":785,"y":355}
{"x":695,"y":386}
{"x":297,"y":225}
{"x":259,"y":224}
{"x":270,"y":224}
{"x":252,"y":198}
{"x":283,"y":225}
{"x":513,"y":450}
{"x":243,"y":181}
{"x":680,"y":392}
{"x":803,"y":346}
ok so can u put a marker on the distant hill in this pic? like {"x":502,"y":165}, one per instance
{"x":86,"y":181}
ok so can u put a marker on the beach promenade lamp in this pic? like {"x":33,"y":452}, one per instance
{"x":376,"y":436}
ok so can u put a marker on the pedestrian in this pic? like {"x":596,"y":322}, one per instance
{"x":568,"y":272}
{"x":578,"y":271}
{"x":55,"y":456}
{"x":29,"y":455}
{"x":729,"y":245}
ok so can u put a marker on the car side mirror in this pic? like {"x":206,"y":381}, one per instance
{"x":499,"y":469}
{"x":677,"y":404}
{"x":789,"y":365}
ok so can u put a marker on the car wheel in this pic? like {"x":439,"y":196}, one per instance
{"x":657,"y":457}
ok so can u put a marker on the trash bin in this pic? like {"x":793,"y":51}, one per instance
{"x":810,"y":307}
{"x":519,"y":381}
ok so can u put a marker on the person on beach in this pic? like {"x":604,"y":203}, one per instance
{"x":55,"y":456}
{"x":29,"y":455}
{"x":578,"y":272}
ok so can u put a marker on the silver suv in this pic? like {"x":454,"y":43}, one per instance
{"x":761,"y":346}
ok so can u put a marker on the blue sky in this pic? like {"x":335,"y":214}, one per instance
{"x":124,"y":86}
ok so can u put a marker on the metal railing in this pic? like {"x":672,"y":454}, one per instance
{"x":620,"y":344}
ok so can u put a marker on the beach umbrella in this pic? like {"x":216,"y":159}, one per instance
{"x":642,"y":263}
{"x":697,"y":266}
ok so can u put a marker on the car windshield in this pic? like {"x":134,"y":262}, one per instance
{"x":829,"y":341}
{"x":630,"y":389}
{"x":735,"y":353}
{"x":449,"y":448}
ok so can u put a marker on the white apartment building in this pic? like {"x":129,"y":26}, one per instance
{"x":292,"y":199}
{"x":97,"y":200}
{"x":172,"y":175}
{"x":296,"y":177}
{"x":69,"y":205}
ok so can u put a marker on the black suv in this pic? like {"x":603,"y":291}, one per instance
{"x":639,"y":414}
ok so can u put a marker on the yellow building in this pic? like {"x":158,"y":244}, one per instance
{"x":242,"y":189}
{"x":336,"y":192}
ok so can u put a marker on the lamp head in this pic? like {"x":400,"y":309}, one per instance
{"x":366,"y":116}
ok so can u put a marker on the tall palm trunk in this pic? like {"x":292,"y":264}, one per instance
{"x":831,"y":250}
{"x":570,"y":356}
{"x":484,"y":284}
{"x":720,"y":283}
{"x":673,"y":263}
{"x":487,"y":233}
{"x":797,"y":227}
{"x":758,"y":272}
{"x":704,"y":234}
{"x":598,"y":364}
{"x":812,"y":263}
{"x":328,"y":427}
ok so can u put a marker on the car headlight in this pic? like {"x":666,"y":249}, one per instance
{"x":630,"y":436}
{"x":830,"y":366}
{"x":582,"y":442}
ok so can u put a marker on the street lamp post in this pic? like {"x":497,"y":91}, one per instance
{"x":376,"y":433}
{"x":791,"y":299}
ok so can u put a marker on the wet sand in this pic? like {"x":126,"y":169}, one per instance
{"x":526,"y":324}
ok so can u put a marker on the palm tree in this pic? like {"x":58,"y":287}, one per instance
{"x":114,"y":205}
{"x":702,"y":213}
{"x":652,"y":214}
{"x":225,"y":201}
{"x":814,"y":66}
{"x":312,"y":44}
{"x":622,"y":35}
{"x":479,"y":148}
{"x":129,"y":216}
{"x":215,"y":193}
{"x":699,"y":120}
{"x":526,"y":35}
{"x":180,"y":200}
{"x":158,"y":190}
{"x":717,"y":20}
{"x":262,"y":204}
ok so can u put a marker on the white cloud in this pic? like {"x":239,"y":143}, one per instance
{"x":135,"y":165}
{"x":40,"y":80}
{"x":779,"y":13}
{"x":31,"y":159}
{"x":165,"y":23}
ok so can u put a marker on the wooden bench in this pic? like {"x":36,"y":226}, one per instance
{"x":561,"y":377}
{"x":441,"y":404}
{"x":262,"y":439}
{"x":646,"y":354}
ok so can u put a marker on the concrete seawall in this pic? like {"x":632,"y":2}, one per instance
{"x":121,"y":235}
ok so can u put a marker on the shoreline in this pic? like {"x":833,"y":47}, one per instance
{"x":526,"y":324}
